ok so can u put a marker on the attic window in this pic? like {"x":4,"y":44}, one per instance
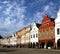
{"x":46,"y":25}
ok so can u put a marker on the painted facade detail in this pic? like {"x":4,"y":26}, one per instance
{"x":47,"y":35}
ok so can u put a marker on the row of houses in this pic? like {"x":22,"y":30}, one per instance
{"x":9,"y":41}
{"x":44,"y":35}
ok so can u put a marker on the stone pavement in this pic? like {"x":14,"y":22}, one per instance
{"x":28,"y":51}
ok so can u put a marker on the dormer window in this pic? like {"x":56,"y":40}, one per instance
{"x":47,"y":25}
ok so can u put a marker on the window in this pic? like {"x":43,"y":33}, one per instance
{"x":46,"y":33}
{"x":40,"y":34}
{"x":43,"y":34}
{"x":58,"y":31}
{"x":14,"y":40}
{"x":51,"y":28}
{"x":31,"y":36}
{"x":34,"y":28}
{"x":34,"y":36}
{"x":51,"y":33}
{"x":46,"y":25}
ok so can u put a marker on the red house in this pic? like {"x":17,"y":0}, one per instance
{"x":46,"y":34}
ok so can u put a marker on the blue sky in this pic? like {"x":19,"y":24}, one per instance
{"x":16,"y":14}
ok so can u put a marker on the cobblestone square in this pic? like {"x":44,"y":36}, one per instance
{"x":28,"y":51}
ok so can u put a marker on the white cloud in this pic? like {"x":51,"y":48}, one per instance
{"x":50,"y":9}
{"x":46,"y":7}
{"x":38,"y":16}
{"x":8,"y":10}
{"x":1,"y":7}
{"x":14,"y":19}
{"x":22,"y":2}
{"x":4,"y":33}
{"x":5,"y":2}
{"x":7,"y":21}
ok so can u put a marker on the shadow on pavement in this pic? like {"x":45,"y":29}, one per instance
{"x":5,"y":50}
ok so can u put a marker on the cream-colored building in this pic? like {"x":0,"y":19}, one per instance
{"x":23,"y":36}
{"x":5,"y":41}
{"x":9,"y":41}
{"x":20,"y":39}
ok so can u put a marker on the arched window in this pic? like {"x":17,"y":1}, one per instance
{"x":36,"y":35}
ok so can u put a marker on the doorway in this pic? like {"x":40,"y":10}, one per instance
{"x":50,"y":44}
{"x":58,"y":43}
{"x":42,"y":44}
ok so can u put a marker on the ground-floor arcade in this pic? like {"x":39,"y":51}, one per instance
{"x":46,"y":43}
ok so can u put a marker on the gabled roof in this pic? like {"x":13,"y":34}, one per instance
{"x":52,"y":19}
{"x":38,"y":25}
{"x":23,"y":31}
{"x":46,"y":17}
{"x":23,"y":28}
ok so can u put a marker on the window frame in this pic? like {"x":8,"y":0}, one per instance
{"x":58,"y":31}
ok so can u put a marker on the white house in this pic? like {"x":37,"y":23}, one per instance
{"x":13,"y":40}
{"x":57,"y":29}
{"x":34,"y":33}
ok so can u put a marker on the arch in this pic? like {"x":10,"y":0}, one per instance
{"x":37,"y":44}
{"x":50,"y":44}
{"x":58,"y":43}
{"x":42,"y":44}
{"x":33,"y":45}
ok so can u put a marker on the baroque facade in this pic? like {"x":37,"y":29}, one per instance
{"x":47,"y":35}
